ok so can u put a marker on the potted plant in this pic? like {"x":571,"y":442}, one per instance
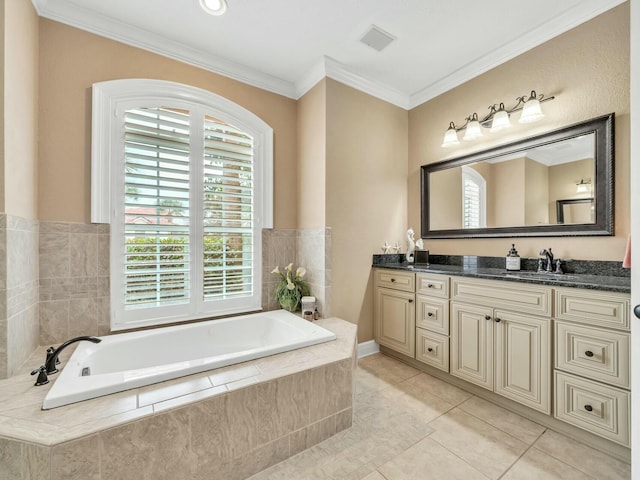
{"x":291,"y":288}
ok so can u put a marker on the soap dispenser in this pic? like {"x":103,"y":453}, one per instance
{"x":513,"y":259}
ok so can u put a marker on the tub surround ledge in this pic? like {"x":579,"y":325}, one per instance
{"x":238,"y":419}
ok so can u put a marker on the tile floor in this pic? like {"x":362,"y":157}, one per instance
{"x":408,"y":425}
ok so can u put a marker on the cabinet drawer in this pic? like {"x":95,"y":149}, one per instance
{"x":432,"y":285}
{"x":594,"y":353}
{"x":606,"y":309}
{"x":432,"y":349}
{"x":600,"y":409}
{"x":432,"y":314}
{"x":522,"y":298}
{"x":395,"y":279}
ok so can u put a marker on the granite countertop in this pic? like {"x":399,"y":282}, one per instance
{"x":574,"y":280}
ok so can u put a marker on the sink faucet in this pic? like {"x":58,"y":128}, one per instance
{"x":52,"y":356}
{"x":547,"y":253}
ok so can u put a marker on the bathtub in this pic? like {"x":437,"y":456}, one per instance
{"x":131,"y":360}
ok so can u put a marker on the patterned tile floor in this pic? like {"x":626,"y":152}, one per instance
{"x":408,"y":426}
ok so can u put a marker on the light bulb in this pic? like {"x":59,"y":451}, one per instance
{"x":531,"y":111}
{"x":473,"y":129}
{"x":214,"y":7}
{"x":500,"y":120}
{"x":450,"y":136}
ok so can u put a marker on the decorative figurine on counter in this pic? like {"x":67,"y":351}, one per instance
{"x":386,"y":248}
{"x":411,"y":245}
{"x":396,"y":248}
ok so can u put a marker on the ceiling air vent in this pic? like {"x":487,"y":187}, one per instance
{"x":377,"y":38}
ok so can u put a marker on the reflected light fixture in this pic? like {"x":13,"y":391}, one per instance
{"x":583,"y":186}
{"x":214,"y":7}
{"x":497,"y":119}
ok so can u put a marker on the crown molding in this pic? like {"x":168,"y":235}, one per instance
{"x":84,"y":19}
{"x":571,"y":18}
{"x":79,"y":17}
{"x":331,"y":68}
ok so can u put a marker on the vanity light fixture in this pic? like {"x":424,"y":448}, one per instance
{"x":583,"y":186}
{"x":497,"y":119}
{"x":214,"y":7}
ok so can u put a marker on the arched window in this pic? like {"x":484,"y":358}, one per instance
{"x":185,"y":178}
{"x":474,"y":199}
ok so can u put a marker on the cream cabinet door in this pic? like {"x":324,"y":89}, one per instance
{"x":395,"y":320}
{"x":472,"y":344}
{"x":522,"y":359}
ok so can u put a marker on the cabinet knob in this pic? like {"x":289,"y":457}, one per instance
{"x":393,"y":280}
{"x":487,"y":317}
{"x":430,"y":285}
{"x":636,"y":311}
{"x":589,"y":353}
{"x":498,"y":320}
{"x":588,"y":408}
{"x":429,"y":349}
{"x":430,"y":314}
{"x":411,"y":300}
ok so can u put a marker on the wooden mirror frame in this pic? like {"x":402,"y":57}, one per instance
{"x":603,"y":127}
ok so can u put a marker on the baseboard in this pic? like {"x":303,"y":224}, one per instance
{"x":368,"y":348}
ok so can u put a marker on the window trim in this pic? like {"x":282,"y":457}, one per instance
{"x":477,"y":178}
{"x":112,"y":98}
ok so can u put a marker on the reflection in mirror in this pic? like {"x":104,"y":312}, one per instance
{"x":517,"y":189}
{"x":535,"y":186}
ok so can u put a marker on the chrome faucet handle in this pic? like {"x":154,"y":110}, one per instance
{"x":540,"y":265}
{"x":558,"y":268}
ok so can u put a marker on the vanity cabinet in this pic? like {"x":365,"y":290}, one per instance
{"x":502,"y":350}
{"x":432,"y":320}
{"x":592,"y":362}
{"x":394,"y":310}
{"x":517,"y":340}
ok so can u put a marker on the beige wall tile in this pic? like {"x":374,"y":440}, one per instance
{"x":10,"y":459}
{"x":83,"y":255}
{"x":36,"y":462}
{"x":155,"y":448}
{"x":83,"y":317}
{"x":330,"y":389}
{"x":77,"y":460}
{"x":53,"y":255}
{"x":54,"y":321}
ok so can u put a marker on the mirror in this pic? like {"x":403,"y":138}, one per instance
{"x":556,"y":184}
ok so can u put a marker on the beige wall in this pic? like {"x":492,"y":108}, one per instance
{"x":312,"y":133}
{"x":536,"y":193}
{"x":71,"y":60}
{"x":587,"y":69}
{"x":20,"y":108}
{"x":507,"y":192}
{"x":366,"y":199}
{"x":560,"y":189}
{"x":445,"y":214}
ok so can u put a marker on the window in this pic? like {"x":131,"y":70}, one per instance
{"x":474,"y":195}
{"x":184,"y":177}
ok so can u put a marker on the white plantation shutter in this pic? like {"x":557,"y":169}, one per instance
{"x":156,"y":208}
{"x":185,"y":179}
{"x":473,"y":199}
{"x":227,"y":211}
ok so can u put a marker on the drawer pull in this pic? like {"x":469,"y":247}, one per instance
{"x":498,"y":320}
{"x":589,"y":353}
{"x":588,"y":408}
{"x":430,"y":314}
{"x":487,"y":317}
{"x":430,"y":285}
{"x":393,"y":280}
{"x":429,"y":349}
{"x":411,"y":300}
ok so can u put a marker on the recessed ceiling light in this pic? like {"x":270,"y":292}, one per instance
{"x":214,"y":7}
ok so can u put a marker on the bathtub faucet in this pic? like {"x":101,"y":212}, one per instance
{"x":52,"y":356}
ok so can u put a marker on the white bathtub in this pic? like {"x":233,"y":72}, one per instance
{"x":131,"y":360}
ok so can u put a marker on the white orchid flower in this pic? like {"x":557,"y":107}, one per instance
{"x":276,"y":270}
{"x":301,"y":272}
{"x":289,"y":267}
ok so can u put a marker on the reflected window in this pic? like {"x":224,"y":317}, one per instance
{"x":474,"y":199}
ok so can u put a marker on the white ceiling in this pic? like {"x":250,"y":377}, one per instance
{"x":286,"y":46}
